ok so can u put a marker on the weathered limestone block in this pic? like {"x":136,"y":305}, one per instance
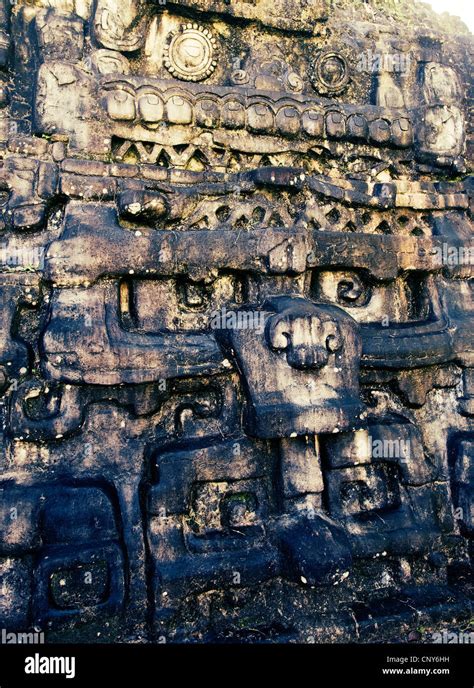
{"x":300,"y":367}
{"x":236,"y":351}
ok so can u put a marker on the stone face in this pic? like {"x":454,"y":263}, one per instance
{"x":236,"y":353}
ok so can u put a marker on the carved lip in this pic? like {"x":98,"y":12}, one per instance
{"x":406,"y":346}
{"x":280,"y":419}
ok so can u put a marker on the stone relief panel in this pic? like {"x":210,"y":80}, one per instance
{"x":236,"y":349}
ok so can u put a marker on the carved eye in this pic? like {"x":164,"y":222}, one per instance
{"x":347,"y":288}
{"x":351,"y":291}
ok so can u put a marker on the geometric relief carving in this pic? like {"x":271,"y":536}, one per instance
{"x":236,"y":351}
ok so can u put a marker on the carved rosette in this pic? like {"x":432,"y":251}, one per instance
{"x":190,"y":53}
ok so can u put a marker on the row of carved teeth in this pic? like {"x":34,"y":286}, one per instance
{"x":258,"y":118}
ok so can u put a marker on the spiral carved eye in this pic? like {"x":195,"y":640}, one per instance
{"x":351,"y":291}
{"x":348,"y":290}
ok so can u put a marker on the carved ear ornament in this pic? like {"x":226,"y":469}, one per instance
{"x":330,"y":73}
{"x":190,"y":53}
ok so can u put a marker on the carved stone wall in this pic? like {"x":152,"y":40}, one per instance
{"x":236,"y":347}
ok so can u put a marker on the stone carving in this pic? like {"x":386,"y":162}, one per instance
{"x":302,"y":343}
{"x":190,"y":53}
{"x":330,"y":73}
{"x":236,"y":354}
{"x":119,"y":25}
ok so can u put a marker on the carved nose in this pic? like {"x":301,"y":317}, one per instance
{"x":307,"y":357}
{"x":308,"y":340}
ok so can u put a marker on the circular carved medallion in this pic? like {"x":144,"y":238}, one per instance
{"x":190,"y":52}
{"x":330,"y":72}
